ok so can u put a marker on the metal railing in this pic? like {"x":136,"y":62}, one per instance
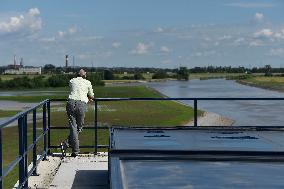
{"x":24,"y":149}
{"x":195,"y":110}
{"x":22,"y":158}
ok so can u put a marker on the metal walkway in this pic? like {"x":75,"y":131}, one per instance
{"x":82,"y":172}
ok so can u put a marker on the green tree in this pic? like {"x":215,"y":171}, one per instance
{"x":95,"y":79}
{"x":267,"y":71}
{"x":108,"y":75}
{"x":59,"y":80}
{"x":183,"y":73}
{"x":49,"y":68}
{"x":160,"y":75}
{"x":138,"y":76}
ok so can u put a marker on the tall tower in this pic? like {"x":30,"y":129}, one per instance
{"x":22,"y":62}
{"x":66,"y":61}
{"x":15,"y":62}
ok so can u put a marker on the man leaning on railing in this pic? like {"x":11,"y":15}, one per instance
{"x":81,"y":92}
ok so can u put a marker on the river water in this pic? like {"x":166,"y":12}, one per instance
{"x":245,"y":113}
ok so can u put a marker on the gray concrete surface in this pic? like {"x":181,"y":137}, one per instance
{"x":46,"y":171}
{"x":82,"y":172}
{"x":199,"y":140}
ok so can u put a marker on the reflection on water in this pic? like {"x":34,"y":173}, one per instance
{"x":252,"y":113}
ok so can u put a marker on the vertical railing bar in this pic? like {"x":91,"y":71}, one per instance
{"x":21,"y":151}
{"x":48,"y":125}
{"x":25,"y":148}
{"x":96,"y":126}
{"x":1,"y":161}
{"x":195,"y":112}
{"x":35,"y":144}
{"x":44,"y":129}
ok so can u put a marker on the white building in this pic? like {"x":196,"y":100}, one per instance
{"x":24,"y":70}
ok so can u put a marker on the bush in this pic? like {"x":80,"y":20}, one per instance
{"x":108,"y":75}
{"x":160,"y":75}
{"x":95,"y":79}
{"x":59,"y":80}
{"x":138,"y":76}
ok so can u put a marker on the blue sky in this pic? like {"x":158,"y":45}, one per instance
{"x":143,"y":33}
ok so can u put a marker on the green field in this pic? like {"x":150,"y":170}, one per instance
{"x":272,"y":83}
{"x":134,"y":113}
{"x":8,"y":113}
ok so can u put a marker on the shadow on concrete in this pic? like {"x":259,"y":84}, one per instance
{"x":95,"y":179}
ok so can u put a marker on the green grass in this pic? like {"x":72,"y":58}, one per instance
{"x":8,"y":113}
{"x":10,"y":77}
{"x":100,"y":92}
{"x":127,"y":113}
{"x":272,"y":83}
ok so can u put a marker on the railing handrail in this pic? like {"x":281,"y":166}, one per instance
{"x":22,"y":123}
{"x":177,"y":98}
{"x":191,"y":98}
{"x":21,"y":114}
{"x":24,"y":148}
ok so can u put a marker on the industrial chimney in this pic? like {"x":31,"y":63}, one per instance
{"x":66,"y":61}
{"x":15,"y":62}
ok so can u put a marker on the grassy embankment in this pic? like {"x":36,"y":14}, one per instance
{"x":157,"y":113}
{"x":272,"y":83}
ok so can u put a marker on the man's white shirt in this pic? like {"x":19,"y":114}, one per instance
{"x":80,"y":88}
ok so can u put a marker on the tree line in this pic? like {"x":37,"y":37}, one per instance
{"x":54,"y":80}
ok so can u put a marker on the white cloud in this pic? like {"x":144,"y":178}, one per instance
{"x":141,"y":49}
{"x":277,"y":52}
{"x":279,"y":35}
{"x":258,"y":17}
{"x":72,"y":30}
{"x":29,"y":22}
{"x":256,"y":43}
{"x":165,"y":49}
{"x":116,"y":45}
{"x":69,"y":31}
{"x":34,"y":12}
{"x":239,"y":41}
{"x":251,"y":5}
{"x":48,"y":39}
{"x":269,"y":34}
{"x":159,"y":30}
{"x":204,"y":53}
{"x":225,"y":37}
{"x":264,"y":33}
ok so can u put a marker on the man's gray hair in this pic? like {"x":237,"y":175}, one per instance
{"x":82,"y":73}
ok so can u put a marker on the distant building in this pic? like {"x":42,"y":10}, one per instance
{"x":24,"y":70}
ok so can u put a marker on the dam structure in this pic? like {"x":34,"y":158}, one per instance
{"x":145,"y":157}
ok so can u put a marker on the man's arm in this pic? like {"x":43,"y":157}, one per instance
{"x":90,"y":94}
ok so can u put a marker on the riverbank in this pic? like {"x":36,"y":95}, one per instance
{"x":270,"y":83}
{"x":212,"y":119}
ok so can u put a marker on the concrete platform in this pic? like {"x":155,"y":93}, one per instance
{"x":82,"y":172}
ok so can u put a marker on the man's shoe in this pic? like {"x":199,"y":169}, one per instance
{"x":79,"y":129}
{"x":63,"y":147}
{"x":74,"y":154}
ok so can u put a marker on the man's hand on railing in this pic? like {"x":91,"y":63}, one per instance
{"x":91,"y":99}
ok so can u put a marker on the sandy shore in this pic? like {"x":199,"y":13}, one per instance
{"x":212,"y":119}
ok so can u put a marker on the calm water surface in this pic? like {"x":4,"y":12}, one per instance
{"x":245,"y":113}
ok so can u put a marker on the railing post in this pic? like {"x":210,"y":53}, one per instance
{"x":22,"y":150}
{"x":48,"y":125}
{"x":44,"y":129}
{"x":35,"y":145}
{"x":96,"y":126}
{"x":195,"y":112}
{"x":26,"y":149}
{"x":1,"y":161}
